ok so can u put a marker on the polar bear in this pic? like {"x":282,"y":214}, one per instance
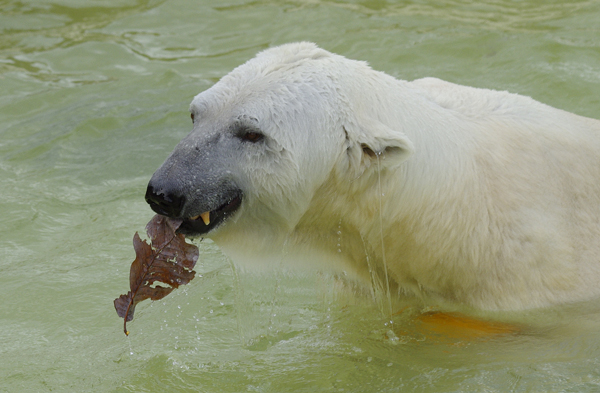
{"x":481,"y":197}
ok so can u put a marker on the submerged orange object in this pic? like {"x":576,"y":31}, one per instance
{"x":458,"y":326}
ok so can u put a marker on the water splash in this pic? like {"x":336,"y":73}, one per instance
{"x":277,"y":288}
{"x":237,"y":287}
{"x":262,"y":332}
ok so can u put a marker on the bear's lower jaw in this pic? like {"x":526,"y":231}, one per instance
{"x":203,"y":223}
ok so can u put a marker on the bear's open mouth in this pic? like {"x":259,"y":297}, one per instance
{"x":208,"y":220}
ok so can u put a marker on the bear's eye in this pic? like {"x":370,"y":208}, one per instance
{"x":192,"y":116}
{"x":252,"y":136}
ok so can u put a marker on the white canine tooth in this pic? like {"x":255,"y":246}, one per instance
{"x":205,"y":217}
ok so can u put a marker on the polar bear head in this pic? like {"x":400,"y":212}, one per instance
{"x":268,"y":136}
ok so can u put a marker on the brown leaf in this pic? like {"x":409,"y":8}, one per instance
{"x":169,"y":260}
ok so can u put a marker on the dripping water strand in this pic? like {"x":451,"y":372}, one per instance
{"x":385,"y":268}
{"x":130,"y":346}
{"x":339,"y":238}
{"x":376,"y":284}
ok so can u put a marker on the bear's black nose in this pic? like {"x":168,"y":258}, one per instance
{"x":164,"y":202}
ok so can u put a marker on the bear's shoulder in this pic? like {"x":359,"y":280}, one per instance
{"x":471,"y":101}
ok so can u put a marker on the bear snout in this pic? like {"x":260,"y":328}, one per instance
{"x":164,"y":202}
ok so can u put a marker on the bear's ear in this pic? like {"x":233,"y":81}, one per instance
{"x":369,"y":139}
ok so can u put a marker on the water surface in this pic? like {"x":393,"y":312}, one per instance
{"x":93,"y":96}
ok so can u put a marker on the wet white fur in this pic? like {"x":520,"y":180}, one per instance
{"x":488,"y":198}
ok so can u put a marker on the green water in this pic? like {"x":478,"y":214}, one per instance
{"x":93,"y":96}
